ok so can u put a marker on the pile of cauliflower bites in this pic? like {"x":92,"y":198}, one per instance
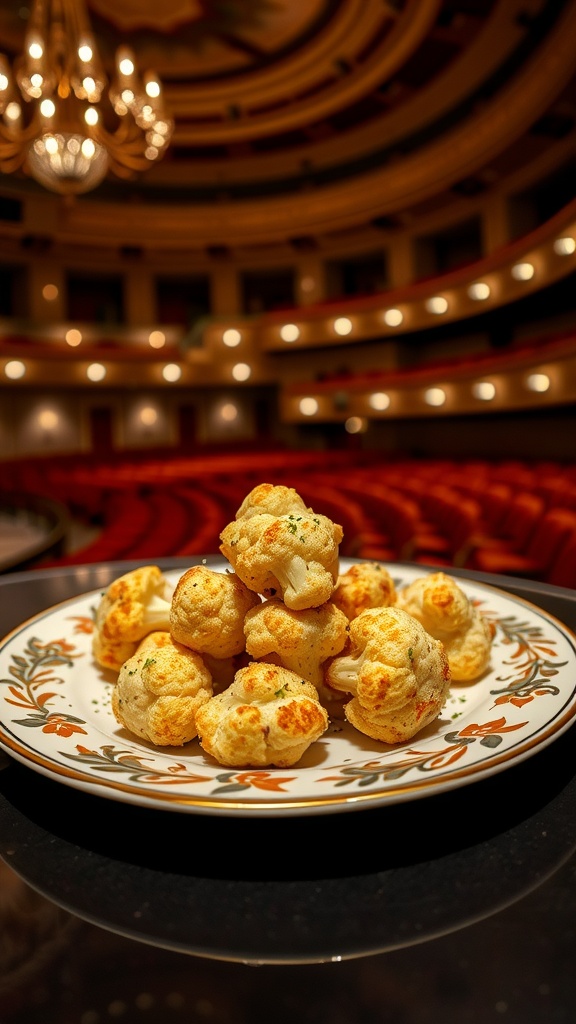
{"x":256,"y":661}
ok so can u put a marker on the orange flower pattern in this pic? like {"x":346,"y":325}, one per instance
{"x":527,"y":672}
{"x":33,"y":670}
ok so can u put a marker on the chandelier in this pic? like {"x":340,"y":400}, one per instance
{"x":62,"y":120}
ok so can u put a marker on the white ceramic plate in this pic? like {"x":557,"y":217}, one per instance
{"x":55,"y":716}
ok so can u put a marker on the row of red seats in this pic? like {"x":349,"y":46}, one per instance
{"x":509,"y":517}
{"x":489,"y":526}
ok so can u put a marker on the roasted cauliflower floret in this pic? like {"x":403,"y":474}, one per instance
{"x":159,"y":691}
{"x":364,"y":585}
{"x":294,"y":556}
{"x":397,"y":674}
{"x":208,"y":609}
{"x":111,"y":654}
{"x":134,"y":605}
{"x":273,"y":499}
{"x":446,"y":612}
{"x":269,"y":716}
{"x":299,"y":640}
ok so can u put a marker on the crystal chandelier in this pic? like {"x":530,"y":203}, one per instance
{"x":62,"y":121}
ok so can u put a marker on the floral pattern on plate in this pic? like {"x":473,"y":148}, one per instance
{"x":55,"y":716}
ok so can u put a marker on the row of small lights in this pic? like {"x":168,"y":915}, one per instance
{"x":49,"y":420}
{"x":73,"y":337}
{"x":479,"y":291}
{"x":15,"y":369}
{"x":484,"y":391}
{"x":290,"y":332}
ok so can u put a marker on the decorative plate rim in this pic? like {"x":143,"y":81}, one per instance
{"x":528,"y":695}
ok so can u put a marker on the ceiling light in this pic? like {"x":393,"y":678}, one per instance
{"x":342,"y":325}
{"x":484,"y":390}
{"x":538,"y":382}
{"x":522,"y":271}
{"x":228,"y":412}
{"x":308,"y":406}
{"x":156,"y":339}
{"x":14,"y":369}
{"x":96,"y":372}
{"x":148,"y":416}
{"x":379,"y":400}
{"x":73,"y":337}
{"x":49,"y":291}
{"x":479,"y":290}
{"x":171,"y":372}
{"x":63,"y":145}
{"x":355,"y":425}
{"x":241,"y":371}
{"x":231,"y":337}
{"x":47,"y":419}
{"x":289,"y":332}
{"x":393,"y":317}
{"x":565,"y":246}
{"x":436,"y":304}
{"x":434,"y":396}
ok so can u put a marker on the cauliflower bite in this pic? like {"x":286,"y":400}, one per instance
{"x":160,"y":690}
{"x":269,"y":716}
{"x":273,"y":499}
{"x":397,"y":673}
{"x":293,"y":556}
{"x":364,"y":585}
{"x":134,"y":605}
{"x":208,"y":610}
{"x":448,"y":615}
{"x":299,"y":640}
{"x":112,"y":654}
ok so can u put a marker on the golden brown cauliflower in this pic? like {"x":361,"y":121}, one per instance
{"x":208,"y":609}
{"x":292,"y":556}
{"x":269,"y":716}
{"x":111,"y":654}
{"x":272,"y":499}
{"x":446,"y":612}
{"x":397,"y":673}
{"x":134,"y":605}
{"x":299,"y":640}
{"x":159,"y":691}
{"x":281,"y":548}
{"x":364,"y":585}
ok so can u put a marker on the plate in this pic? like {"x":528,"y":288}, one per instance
{"x":56,"y":717}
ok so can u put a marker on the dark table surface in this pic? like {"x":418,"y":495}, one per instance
{"x":459,"y":907}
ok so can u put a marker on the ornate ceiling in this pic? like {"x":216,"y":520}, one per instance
{"x":301,"y":123}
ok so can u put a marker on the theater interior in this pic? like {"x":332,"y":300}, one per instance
{"x":351,"y":271}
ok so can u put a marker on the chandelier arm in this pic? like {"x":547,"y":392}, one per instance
{"x":25,"y":135}
{"x":10,"y":164}
{"x":126,"y":146}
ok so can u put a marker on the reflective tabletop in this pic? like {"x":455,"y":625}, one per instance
{"x":459,"y":906}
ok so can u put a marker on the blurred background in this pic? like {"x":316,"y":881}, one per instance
{"x":330,"y":244}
